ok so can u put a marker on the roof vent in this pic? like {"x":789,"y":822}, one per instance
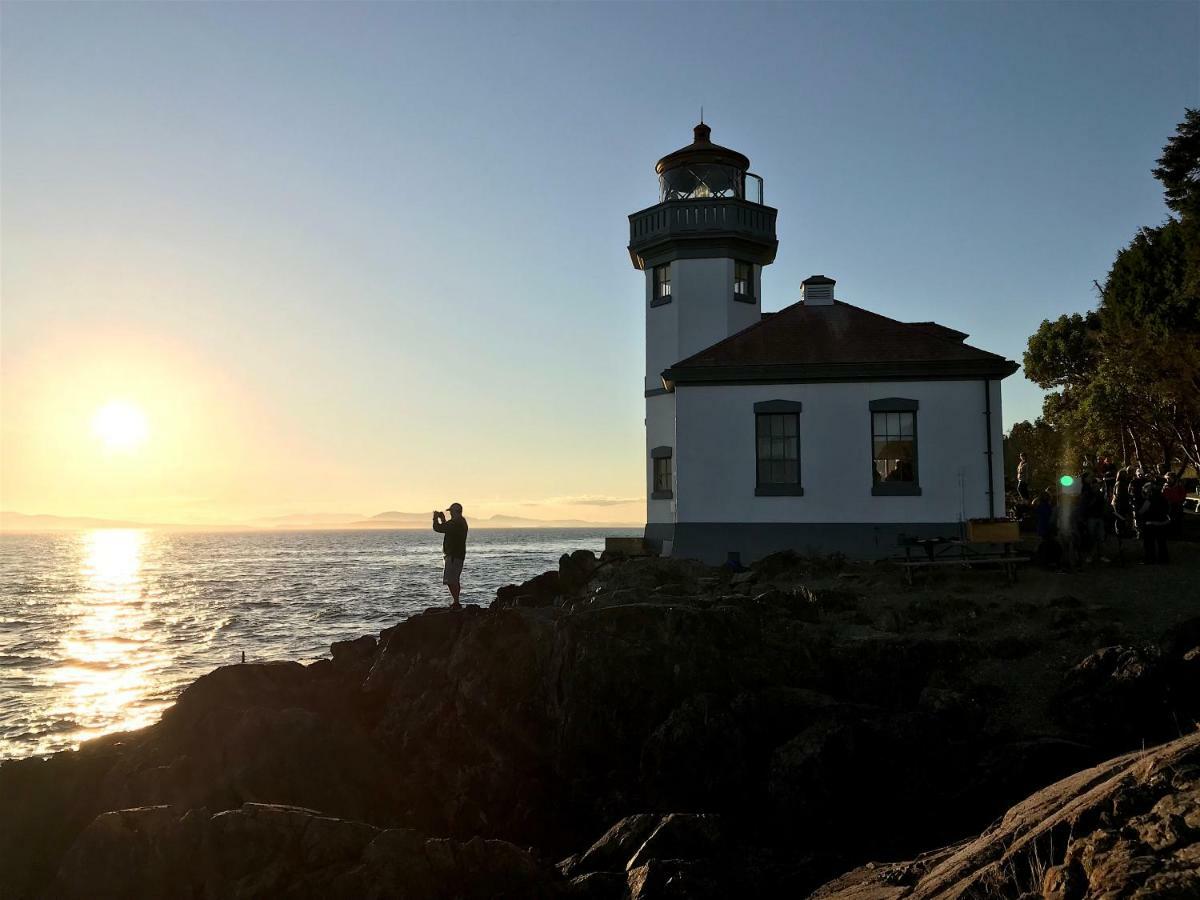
{"x":817,"y":290}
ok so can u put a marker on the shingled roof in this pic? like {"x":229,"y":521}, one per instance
{"x":837,"y":342}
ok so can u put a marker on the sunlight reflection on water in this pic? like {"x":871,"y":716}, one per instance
{"x":100,"y":630}
{"x":107,"y":661}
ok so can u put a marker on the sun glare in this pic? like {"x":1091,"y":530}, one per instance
{"x":120,"y":426}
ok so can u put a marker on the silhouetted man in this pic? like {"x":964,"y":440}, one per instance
{"x":454,"y":547}
{"x":1022,"y":477}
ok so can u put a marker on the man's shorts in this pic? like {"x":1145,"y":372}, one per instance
{"x":453,"y":571}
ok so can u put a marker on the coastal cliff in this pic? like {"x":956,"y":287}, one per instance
{"x":643,"y":729}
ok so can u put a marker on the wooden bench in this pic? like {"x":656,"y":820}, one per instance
{"x":957,"y":552}
{"x":1007,"y":562}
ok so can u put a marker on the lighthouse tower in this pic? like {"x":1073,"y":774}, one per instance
{"x":702,"y":247}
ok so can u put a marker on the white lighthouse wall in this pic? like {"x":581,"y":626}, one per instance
{"x":660,"y":432}
{"x":662,"y":335}
{"x":708,"y":313}
{"x":702,"y":311}
{"x":718,"y":511}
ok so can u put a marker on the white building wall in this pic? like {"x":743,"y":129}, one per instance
{"x":715,"y":453}
{"x":995,"y":387}
{"x":660,"y":432}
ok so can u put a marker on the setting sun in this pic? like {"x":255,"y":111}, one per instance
{"x":120,"y":426}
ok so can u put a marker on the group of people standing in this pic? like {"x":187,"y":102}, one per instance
{"x":1148,"y":505}
{"x":1126,"y":502}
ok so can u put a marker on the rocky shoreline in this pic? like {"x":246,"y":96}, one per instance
{"x":649,"y":729}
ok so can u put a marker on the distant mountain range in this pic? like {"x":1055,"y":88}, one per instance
{"x":305,"y":520}
{"x":392,"y":519}
{"x":15,"y":521}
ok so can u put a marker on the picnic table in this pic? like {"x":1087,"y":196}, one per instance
{"x":944,"y":551}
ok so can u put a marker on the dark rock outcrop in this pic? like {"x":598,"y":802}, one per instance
{"x":1129,"y":827}
{"x":278,"y":851}
{"x":1122,"y":694}
{"x":788,"y":734}
{"x":656,"y":856}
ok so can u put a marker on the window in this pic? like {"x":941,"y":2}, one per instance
{"x":743,"y":282}
{"x":662,"y":475}
{"x":660,"y":487}
{"x":662,"y":285}
{"x":777,"y":448}
{"x":894,"y":447}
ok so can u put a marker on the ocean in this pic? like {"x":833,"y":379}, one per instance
{"x":99,"y":630}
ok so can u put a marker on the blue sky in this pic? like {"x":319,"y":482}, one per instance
{"x":395,"y":233}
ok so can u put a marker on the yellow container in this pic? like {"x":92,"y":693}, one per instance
{"x":992,"y":531}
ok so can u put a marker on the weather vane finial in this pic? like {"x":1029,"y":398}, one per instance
{"x":701,"y":115}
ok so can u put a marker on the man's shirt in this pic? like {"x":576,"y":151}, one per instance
{"x":455,"y":541}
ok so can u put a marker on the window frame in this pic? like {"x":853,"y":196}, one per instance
{"x":662,"y":457}
{"x":657,"y":297}
{"x":895,"y":488}
{"x":774,"y":488}
{"x":748,"y":295}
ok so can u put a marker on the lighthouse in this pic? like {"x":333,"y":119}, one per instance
{"x":702,"y":248}
{"x":819,"y":428}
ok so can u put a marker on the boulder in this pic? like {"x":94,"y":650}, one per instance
{"x":542,"y":590}
{"x":598,"y":886}
{"x":653,"y":857}
{"x":680,"y":836}
{"x":674,"y":879}
{"x":576,"y":569}
{"x":612,"y":850}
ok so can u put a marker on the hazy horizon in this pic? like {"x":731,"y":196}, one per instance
{"x":262,"y":259}
{"x":38,"y":522}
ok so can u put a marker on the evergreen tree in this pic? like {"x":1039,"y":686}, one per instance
{"x":1127,"y":376}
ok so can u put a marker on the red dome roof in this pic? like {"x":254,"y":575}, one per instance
{"x":702,"y":151}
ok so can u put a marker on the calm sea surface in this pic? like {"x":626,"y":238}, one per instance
{"x":99,"y":630}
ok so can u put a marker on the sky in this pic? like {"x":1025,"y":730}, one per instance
{"x":356,"y":257}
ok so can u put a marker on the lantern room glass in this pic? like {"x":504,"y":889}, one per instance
{"x":708,"y":182}
{"x":701,"y":182}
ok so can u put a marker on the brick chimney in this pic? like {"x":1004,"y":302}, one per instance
{"x":817,"y":290}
